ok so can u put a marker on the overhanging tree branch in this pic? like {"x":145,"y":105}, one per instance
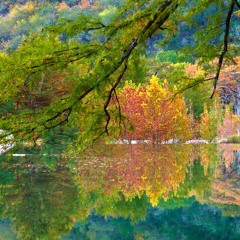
{"x":225,"y":46}
{"x":159,"y":18}
{"x":113,"y":88}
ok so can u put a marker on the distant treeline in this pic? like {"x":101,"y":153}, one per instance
{"x":20,"y":18}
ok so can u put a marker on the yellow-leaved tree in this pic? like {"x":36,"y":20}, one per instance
{"x":160,"y":116}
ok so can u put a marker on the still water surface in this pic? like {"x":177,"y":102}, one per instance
{"x":123,"y":192}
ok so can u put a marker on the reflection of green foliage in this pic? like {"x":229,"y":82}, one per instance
{"x":176,"y":202}
{"x":100,"y":228}
{"x":228,"y":210}
{"x":6,"y":230}
{"x":194,"y":222}
{"x":198,"y":179}
{"x":39,"y":201}
{"x":211,"y":151}
{"x":134,"y":209}
{"x":114,"y":205}
{"x":195,"y":180}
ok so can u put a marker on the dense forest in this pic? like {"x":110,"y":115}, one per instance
{"x":119,"y":70}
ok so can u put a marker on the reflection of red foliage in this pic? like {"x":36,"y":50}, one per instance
{"x":227,"y":151}
{"x":226,"y":192}
{"x":139,"y":169}
{"x":226,"y":185}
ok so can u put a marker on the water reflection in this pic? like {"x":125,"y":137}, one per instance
{"x":226,"y":185}
{"x":40,"y":202}
{"x":123,"y":192}
{"x":158,"y":172}
{"x":192,"y":222}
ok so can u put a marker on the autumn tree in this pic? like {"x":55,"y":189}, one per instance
{"x":153,"y":112}
{"x":131,"y":100}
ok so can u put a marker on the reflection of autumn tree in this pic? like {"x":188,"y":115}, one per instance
{"x":226,"y":195}
{"x":227,"y":192}
{"x":213,"y":179}
{"x":216,"y":181}
{"x":164,"y":172}
{"x":197,"y":182}
{"x":40,"y":202}
{"x":102,"y":192}
{"x":208,"y":157}
{"x":143,"y":169}
{"x":199,"y":175}
{"x":230,"y":160}
{"x":227,"y":156}
{"x":225,"y":187}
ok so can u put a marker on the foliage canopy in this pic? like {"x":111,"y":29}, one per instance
{"x":53,"y":79}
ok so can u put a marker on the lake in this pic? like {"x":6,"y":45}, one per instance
{"x":122,"y":192}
